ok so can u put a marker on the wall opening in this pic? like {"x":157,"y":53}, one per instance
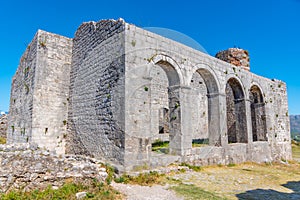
{"x":163,"y":126}
{"x":164,"y":105}
{"x":205,"y":116}
{"x":258,"y":115}
{"x":236,"y":112}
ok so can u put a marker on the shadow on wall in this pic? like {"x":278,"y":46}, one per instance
{"x":261,"y":194}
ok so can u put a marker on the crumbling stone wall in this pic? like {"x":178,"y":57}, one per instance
{"x":27,"y":167}
{"x":97,"y":91}
{"x":39,"y":94}
{"x":236,"y":56}
{"x":21,"y":96}
{"x":3,"y":125}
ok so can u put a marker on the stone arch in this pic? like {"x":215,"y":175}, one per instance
{"x":171,"y":67}
{"x":258,"y":114}
{"x":165,"y":98}
{"x":210,"y":76}
{"x":236,"y":111}
{"x":206,"y":117}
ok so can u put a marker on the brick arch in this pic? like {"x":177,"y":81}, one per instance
{"x":236,"y":111}
{"x":258,"y":114}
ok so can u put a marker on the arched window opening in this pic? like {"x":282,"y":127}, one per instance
{"x":258,"y":115}
{"x":165,"y":105}
{"x":236,"y":112}
{"x":205,"y":127}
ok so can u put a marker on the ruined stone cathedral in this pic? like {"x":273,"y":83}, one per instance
{"x":115,"y":89}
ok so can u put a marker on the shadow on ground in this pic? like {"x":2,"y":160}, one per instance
{"x":261,"y":194}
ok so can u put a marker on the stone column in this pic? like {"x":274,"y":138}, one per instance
{"x":217,"y":119}
{"x":180,"y":118}
{"x":248,"y":120}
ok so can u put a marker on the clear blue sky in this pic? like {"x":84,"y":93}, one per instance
{"x":268,"y":29}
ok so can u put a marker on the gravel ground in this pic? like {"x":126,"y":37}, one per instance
{"x":137,"y":192}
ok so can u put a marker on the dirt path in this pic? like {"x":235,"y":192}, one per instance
{"x":245,"y":181}
{"x":137,"y":192}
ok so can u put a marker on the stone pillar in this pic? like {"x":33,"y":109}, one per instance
{"x":217,"y":119}
{"x":248,"y":120}
{"x":214,"y":119}
{"x":180,"y":119}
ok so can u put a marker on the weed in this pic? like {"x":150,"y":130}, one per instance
{"x":26,"y":70}
{"x":150,"y":178}
{"x":151,"y":58}
{"x":133,"y":43}
{"x":26,"y":88}
{"x":193,"y":167}
{"x":95,"y":190}
{"x":43,"y":42}
{"x":231,"y":165}
{"x":110,"y":171}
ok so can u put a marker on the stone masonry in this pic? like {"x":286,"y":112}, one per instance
{"x":114,"y":89}
{"x":3,"y":126}
{"x":27,"y":167}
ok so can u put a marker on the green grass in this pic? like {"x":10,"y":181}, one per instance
{"x":200,"y":142}
{"x":144,"y":179}
{"x":192,"y":192}
{"x":163,"y":146}
{"x":296,"y":150}
{"x":94,"y":189}
{"x":2,"y":140}
{"x":193,"y":167}
{"x":160,"y":146}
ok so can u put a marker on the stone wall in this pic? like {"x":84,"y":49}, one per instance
{"x":281,"y":124}
{"x":27,"y":167}
{"x":39,"y":95}
{"x":202,"y":103}
{"x":51,"y":91}
{"x":96,"y":102}
{"x":21,"y":96}
{"x":3,"y":126}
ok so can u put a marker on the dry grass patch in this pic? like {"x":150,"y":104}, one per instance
{"x":230,"y":181}
{"x":2,"y":140}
